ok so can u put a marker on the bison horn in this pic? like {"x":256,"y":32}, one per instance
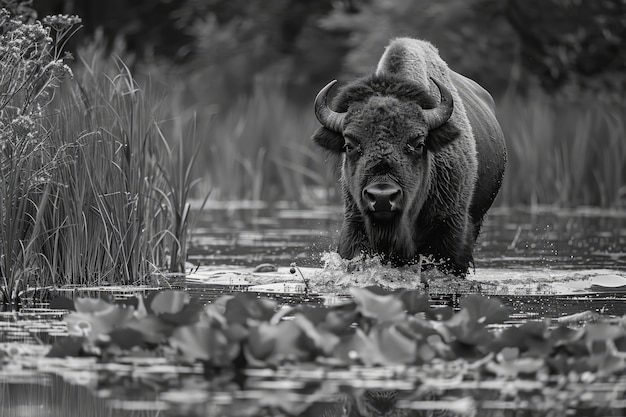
{"x":330,"y":119}
{"x":440,"y":114}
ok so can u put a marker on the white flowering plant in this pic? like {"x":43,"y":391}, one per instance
{"x":32,"y":65}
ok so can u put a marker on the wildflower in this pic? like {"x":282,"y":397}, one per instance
{"x":59,"y":22}
{"x":23,"y":125}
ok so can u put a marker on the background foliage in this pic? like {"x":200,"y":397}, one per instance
{"x":555,"y":67}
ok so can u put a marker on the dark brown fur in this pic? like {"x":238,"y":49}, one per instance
{"x":443,"y":205}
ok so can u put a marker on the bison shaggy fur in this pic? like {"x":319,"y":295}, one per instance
{"x":412,"y":188}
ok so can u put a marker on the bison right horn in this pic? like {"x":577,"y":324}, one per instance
{"x":440,"y":114}
{"x":329,"y":118}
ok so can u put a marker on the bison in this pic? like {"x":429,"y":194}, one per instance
{"x":418,"y":172}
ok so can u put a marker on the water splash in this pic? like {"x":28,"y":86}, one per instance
{"x":338,"y":273}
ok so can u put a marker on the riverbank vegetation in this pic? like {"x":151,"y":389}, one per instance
{"x":102,"y":151}
{"x":90,"y":189}
{"x":469,"y":362}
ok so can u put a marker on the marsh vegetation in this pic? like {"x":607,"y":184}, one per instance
{"x":107,"y":154}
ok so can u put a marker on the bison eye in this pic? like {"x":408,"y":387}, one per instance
{"x":351,"y":147}
{"x":416,"y":148}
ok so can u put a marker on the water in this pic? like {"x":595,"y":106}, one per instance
{"x":519,"y":250}
{"x":510,"y":239}
{"x":514,"y":244}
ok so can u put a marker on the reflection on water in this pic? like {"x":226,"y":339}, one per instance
{"x":133,"y":389}
{"x":253,"y":236}
{"x":559,"y":239}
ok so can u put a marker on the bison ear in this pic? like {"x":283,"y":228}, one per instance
{"x":328,"y":139}
{"x":442,"y":136}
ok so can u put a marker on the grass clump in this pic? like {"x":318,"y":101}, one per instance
{"x":31,"y":67}
{"x":90,"y":190}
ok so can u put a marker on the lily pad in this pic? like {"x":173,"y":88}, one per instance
{"x":201,"y":341}
{"x":380,"y":307}
{"x":484,"y":310}
{"x":170,"y":302}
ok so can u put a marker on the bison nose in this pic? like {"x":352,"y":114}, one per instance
{"x":382,"y":196}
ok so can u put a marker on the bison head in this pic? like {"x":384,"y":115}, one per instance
{"x":389,"y":130}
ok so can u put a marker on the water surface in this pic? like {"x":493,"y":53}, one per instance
{"x":542,"y":239}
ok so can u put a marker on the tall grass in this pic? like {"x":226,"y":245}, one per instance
{"x":257,"y":149}
{"x":91,"y":191}
{"x":120,"y":210}
{"x":564,"y":153}
{"x":31,"y":68}
{"x":105,"y":207}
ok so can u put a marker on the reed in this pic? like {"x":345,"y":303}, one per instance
{"x":563,"y":153}
{"x":90,"y":192}
{"x":31,"y":68}
{"x":112,"y":221}
{"x":257,"y":149}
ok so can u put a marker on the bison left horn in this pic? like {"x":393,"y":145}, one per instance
{"x":439,"y":115}
{"x":329,"y":118}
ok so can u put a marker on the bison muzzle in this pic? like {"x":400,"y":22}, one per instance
{"x":423,"y":158}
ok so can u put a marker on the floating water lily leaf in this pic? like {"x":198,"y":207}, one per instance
{"x":91,"y":305}
{"x":417,"y":328}
{"x":394,"y":346}
{"x":610,"y":364}
{"x":169,"y":301}
{"x":602,"y":332}
{"x":275,"y":344}
{"x":484,"y":310}
{"x":380,"y":307}
{"x":153,"y":329}
{"x":515,"y":366}
{"x":204,"y":342}
{"x":236,"y":332}
{"x":67,"y":347}
{"x":338,"y":320}
{"x":467,"y":330}
{"x":188,"y":315}
{"x":62,"y":303}
{"x":508,"y":354}
{"x":563,"y":335}
{"x":261,"y":343}
{"x":316,"y":315}
{"x":100,"y":322}
{"x":440,"y":313}
{"x":357,"y":347}
{"x":435,"y":347}
{"x":323,"y":340}
{"x":531,"y":338}
{"x":415,"y":302}
{"x":243,"y":306}
{"x":620,"y":344}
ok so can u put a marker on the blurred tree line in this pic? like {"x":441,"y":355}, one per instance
{"x":561,"y":46}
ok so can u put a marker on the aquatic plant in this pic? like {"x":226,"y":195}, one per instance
{"x":463,"y":355}
{"x":90,"y":192}
{"x":31,"y":68}
{"x":110,"y":223}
